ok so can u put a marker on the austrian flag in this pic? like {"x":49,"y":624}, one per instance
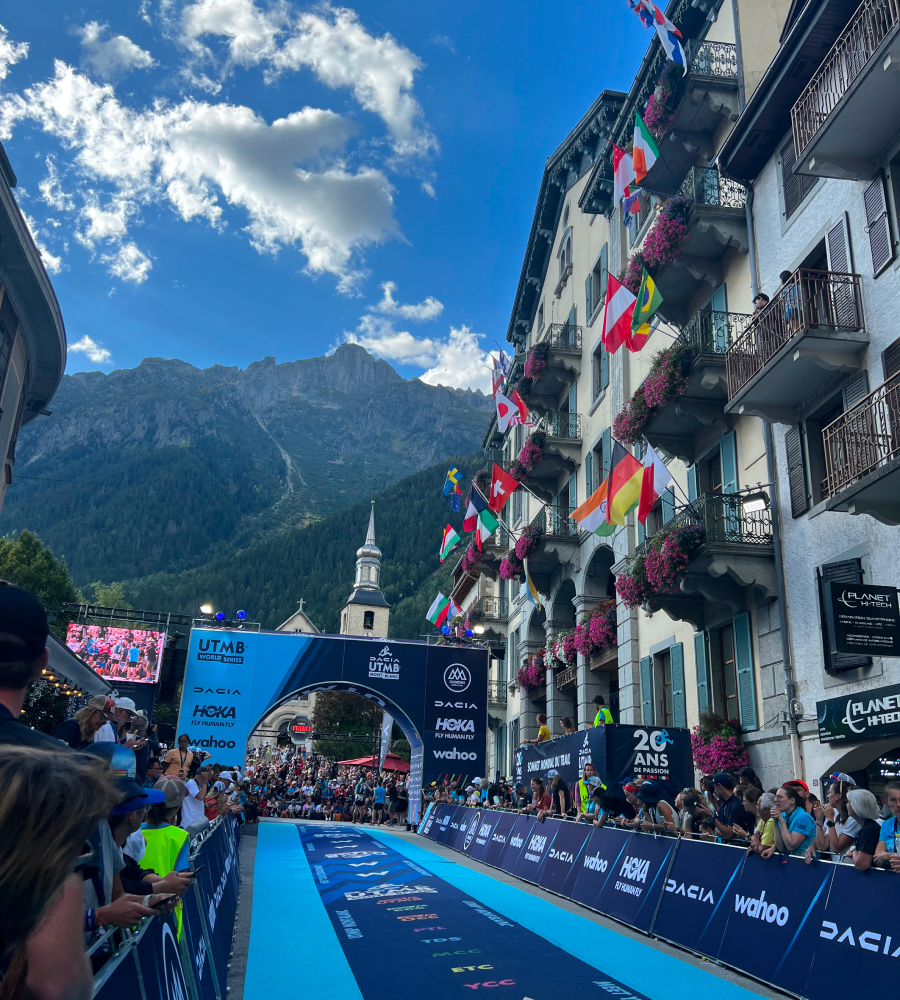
{"x":617,"y":316}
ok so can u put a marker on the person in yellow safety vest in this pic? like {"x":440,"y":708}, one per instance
{"x":603,"y":716}
{"x":584,"y":789}
{"x":168,"y":846}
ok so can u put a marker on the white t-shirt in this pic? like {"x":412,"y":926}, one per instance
{"x":105,"y":734}
{"x":191,"y":807}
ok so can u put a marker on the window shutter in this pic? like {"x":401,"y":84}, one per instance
{"x":667,"y":498}
{"x":604,"y":368}
{"x":837,"y":245}
{"x":856,"y":390}
{"x":588,"y":288}
{"x":878,"y":224}
{"x":890,"y":360}
{"x":793,"y":446}
{"x":703,"y":705}
{"x":589,"y":473}
{"x":746,"y":680}
{"x":848,"y":571}
{"x":647,"y":691}
{"x":572,"y":398}
{"x":728,"y":454}
{"x":573,"y":491}
{"x":679,"y":704}
{"x":795,"y":186}
{"x":607,"y":451}
{"x":693,"y":490}
{"x":641,"y":533}
{"x":604,"y":273}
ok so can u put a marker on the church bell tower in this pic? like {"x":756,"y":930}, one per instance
{"x":366,"y":611}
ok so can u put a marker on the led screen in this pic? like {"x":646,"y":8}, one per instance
{"x":118,"y":654}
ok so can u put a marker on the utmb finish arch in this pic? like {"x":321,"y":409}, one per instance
{"x":437,"y":694}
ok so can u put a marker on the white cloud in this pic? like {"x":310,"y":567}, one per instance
{"x":99,"y":355}
{"x":129,"y":263}
{"x":52,"y":263}
{"x":111,"y":57}
{"x":427,"y":309}
{"x":51,"y":189}
{"x":332,"y":43}
{"x":289,"y":176}
{"x":10,"y":52}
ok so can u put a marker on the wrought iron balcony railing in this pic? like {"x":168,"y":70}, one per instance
{"x":855,"y":46}
{"x":863,"y":439}
{"x":561,"y":425}
{"x":495,"y":608}
{"x":743,"y":518}
{"x":810,"y":300}
{"x":555,"y":521}
{"x":562,"y":336}
{"x":706,"y":186}
{"x":714,"y":332}
{"x":715,"y":59}
{"x":497,"y":692}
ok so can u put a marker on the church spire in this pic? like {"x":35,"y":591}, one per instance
{"x":368,"y":559}
{"x":370,"y":537}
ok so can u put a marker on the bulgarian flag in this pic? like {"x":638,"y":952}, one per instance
{"x":654,"y":479}
{"x":449,"y":543}
{"x":617,"y":315}
{"x":437,"y":613}
{"x":646,"y":152}
{"x":623,"y":485}
{"x":591,"y":515}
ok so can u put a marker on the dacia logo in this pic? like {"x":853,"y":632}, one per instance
{"x":456,"y":725}
{"x":214,"y":711}
{"x":558,"y":855}
{"x":868,"y":940}
{"x":384,"y":667}
{"x":634,"y":869}
{"x":203,"y":690}
{"x":455,"y":704}
{"x":690,"y":891}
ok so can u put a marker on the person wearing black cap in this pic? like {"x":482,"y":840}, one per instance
{"x":23,"y":655}
{"x":731,"y":810}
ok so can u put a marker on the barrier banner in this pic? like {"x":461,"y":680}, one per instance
{"x":217,"y":897}
{"x":120,"y":980}
{"x":775,"y":910}
{"x":695,"y":902}
{"x":159,"y":961}
{"x":538,"y":841}
{"x":515,"y":844}
{"x":598,"y":860}
{"x":634,"y":885}
{"x":195,"y":945}
{"x":564,"y":856}
{"x":441,"y":823}
{"x":499,"y":839}
{"x":484,"y":829}
{"x":459,"y":825}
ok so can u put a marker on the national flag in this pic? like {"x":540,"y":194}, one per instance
{"x":477,"y":503}
{"x":638,"y":7}
{"x":451,"y":483}
{"x":631,"y":205}
{"x":455,"y":502}
{"x":591,"y":515}
{"x":623,"y":172}
{"x":617,"y":315}
{"x":654,"y":479}
{"x":503,"y":485}
{"x":645,"y":153}
{"x":497,"y":379}
{"x":454,"y":610}
{"x":669,"y":35}
{"x":450,"y":541}
{"x":648,"y":302}
{"x":523,"y":417}
{"x":503,"y":362}
{"x":531,"y":592}
{"x":623,"y":485}
{"x":437,"y":613}
{"x":487,"y":525}
{"x":507,"y":412}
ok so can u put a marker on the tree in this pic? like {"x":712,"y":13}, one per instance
{"x":109,"y":595}
{"x":343,"y":712}
{"x":27,"y":562}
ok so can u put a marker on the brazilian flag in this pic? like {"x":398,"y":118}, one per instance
{"x":648,"y":302}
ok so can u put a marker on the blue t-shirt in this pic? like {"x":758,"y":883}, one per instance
{"x":889,"y":833}
{"x":801,"y":821}
{"x":379,"y":795}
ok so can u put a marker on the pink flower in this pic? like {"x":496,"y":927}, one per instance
{"x":510,"y":567}
{"x":718,"y":753}
{"x":633,"y":592}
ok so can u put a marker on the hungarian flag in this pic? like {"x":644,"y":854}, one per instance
{"x":437,"y":613}
{"x":623,"y":172}
{"x":648,"y":302}
{"x":487,"y":525}
{"x":623,"y":485}
{"x":655,"y":478}
{"x":477,"y":503}
{"x":502,"y":488}
{"x":591,"y":515}
{"x":449,"y":543}
{"x":646,"y":152}
{"x":617,"y":315}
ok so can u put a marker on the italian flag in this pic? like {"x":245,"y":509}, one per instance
{"x":646,"y":152}
{"x":449,"y":543}
{"x":437,"y":613}
{"x":487,"y":525}
{"x":617,"y":315}
{"x":591,"y":515}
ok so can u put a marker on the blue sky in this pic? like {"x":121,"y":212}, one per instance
{"x":221,"y":180}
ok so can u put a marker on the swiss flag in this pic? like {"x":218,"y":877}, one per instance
{"x":502,"y":488}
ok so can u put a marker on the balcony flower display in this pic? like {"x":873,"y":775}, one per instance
{"x":482,"y":481}
{"x":668,"y":234}
{"x":533,"y":674}
{"x":529,"y":541}
{"x":633,"y":273}
{"x":536,"y":362}
{"x":658,"y":570}
{"x":511,"y":568}
{"x":530,"y":456}
{"x":664,"y":100}
{"x":597,"y":631}
{"x":716,"y":745}
{"x":524,"y":386}
{"x":666,"y":381}
{"x":471,"y":561}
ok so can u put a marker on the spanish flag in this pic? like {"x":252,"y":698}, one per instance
{"x":624,"y":484}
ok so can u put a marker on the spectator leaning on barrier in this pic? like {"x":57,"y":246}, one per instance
{"x":795,"y":829}
{"x":543,"y":730}
{"x":603,"y":716}
{"x":540,"y":798}
{"x":836,"y":829}
{"x":197,"y":789}
{"x":763,"y":836}
{"x":693,"y":812}
{"x":583,"y":790}
{"x":656,"y":813}
{"x":559,"y":797}
{"x":731,"y":808}
{"x":864,"y":808}
{"x":887,"y":853}
{"x":167,"y":844}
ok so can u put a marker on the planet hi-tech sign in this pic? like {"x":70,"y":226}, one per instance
{"x":863,"y":619}
{"x":867,"y":715}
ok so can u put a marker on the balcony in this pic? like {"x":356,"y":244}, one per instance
{"x":562,"y":342}
{"x":862,"y":456}
{"x":737,"y":552}
{"x":558,"y":545}
{"x":496,"y":692}
{"x":811,"y":329}
{"x":673,"y":428}
{"x":495,"y":609}
{"x":716,"y":222}
{"x":850,"y":110}
{"x":561,"y":452}
{"x":710,"y":97}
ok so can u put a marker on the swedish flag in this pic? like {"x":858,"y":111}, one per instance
{"x":451,"y":483}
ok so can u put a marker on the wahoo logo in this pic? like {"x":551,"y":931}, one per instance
{"x":596,"y":863}
{"x":690,"y":891}
{"x":384,"y":667}
{"x":454,"y":754}
{"x":214,"y":711}
{"x":558,"y":855}
{"x":772,"y":913}
{"x":456,"y":725}
{"x":212,"y":743}
{"x":634,"y":869}
{"x":868,"y":940}
{"x":537,"y":843}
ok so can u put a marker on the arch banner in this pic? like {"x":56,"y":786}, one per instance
{"x":437,"y":694}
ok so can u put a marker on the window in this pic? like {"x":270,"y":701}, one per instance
{"x":595,"y":284}
{"x":540,"y":318}
{"x":847,"y":571}
{"x":599,"y":371}
{"x":369,"y":620}
{"x":564,"y":254}
{"x":725,"y":689}
{"x":566,"y":217}
{"x":794,"y":186}
{"x":663,"y":700}
{"x":636,"y":222}
{"x":665,"y":710}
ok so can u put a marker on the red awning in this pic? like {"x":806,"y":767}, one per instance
{"x":391,"y":763}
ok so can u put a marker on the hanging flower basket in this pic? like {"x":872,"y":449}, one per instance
{"x":511,"y":568}
{"x":471,"y":561}
{"x":664,"y":100}
{"x":528,"y":542}
{"x":597,"y":631}
{"x":482,"y":481}
{"x":536,"y":362}
{"x":716,"y":745}
{"x":523,"y":387}
{"x":666,"y":381}
{"x":532,"y":675}
{"x":658,"y":571}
